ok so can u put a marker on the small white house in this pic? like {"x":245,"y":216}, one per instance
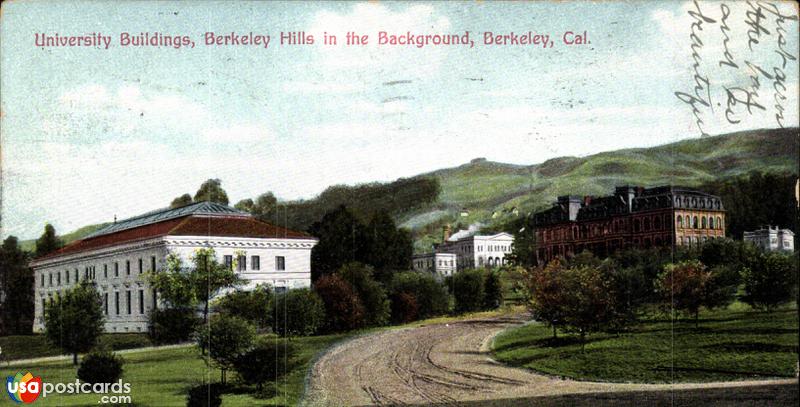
{"x":468,"y":249}
{"x":117,"y":256}
{"x":440,"y":264}
{"x":771,"y":239}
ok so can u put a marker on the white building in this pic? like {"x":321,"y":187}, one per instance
{"x":771,"y":239}
{"x":117,"y":256}
{"x":469,"y":249}
{"x":441,"y":264}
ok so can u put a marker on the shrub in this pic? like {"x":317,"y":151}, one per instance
{"x":431,"y":295}
{"x":683,"y":286}
{"x":172,"y":325}
{"x":100,"y":367}
{"x":404,"y":308}
{"x":205,"y":395}
{"x":771,"y":282}
{"x":468,"y":290}
{"x":267,"y":361}
{"x":74,"y":321}
{"x":298,"y":312}
{"x":373,"y":296}
{"x":343,"y":308}
{"x":252,"y":306}
{"x":226,"y":339}
{"x":492,"y":290}
{"x":544,"y":294}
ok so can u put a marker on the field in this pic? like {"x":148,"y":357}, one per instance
{"x":736,"y":343}
{"x":162,"y":377}
{"x":36,"y":346}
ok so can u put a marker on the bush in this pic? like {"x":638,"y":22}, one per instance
{"x":404,"y":308}
{"x":252,"y":306}
{"x":468,"y":290}
{"x":343,"y":308}
{"x":431,"y":295}
{"x":770,"y":282}
{"x":172,"y":325}
{"x":373,"y":296}
{"x":492,"y":290}
{"x":226,"y":338}
{"x":298,"y":312}
{"x":205,"y":395}
{"x":267,"y":361}
{"x":100,"y":367}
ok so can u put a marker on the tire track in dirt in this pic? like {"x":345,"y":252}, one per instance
{"x":447,"y":364}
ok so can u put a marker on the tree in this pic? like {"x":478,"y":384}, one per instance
{"x":492,"y":290}
{"x":341,"y":241}
{"x":227,"y":338}
{"x":771,"y":282}
{"x":100,"y":366}
{"x":265,"y":207}
{"x":373,"y":296}
{"x":252,"y":305}
{"x":404,"y":307}
{"x":182,"y":200}
{"x":468,"y":290}
{"x":172,"y":325}
{"x":74,"y":321}
{"x":245,"y":205}
{"x":386,"y":248}
{"x":298,"y":312}
{"x":211,"y":190}
{"x":523,"y":252}
{"x":431,"y":296}
{"x":545,"y":294}
{"x":683,"y":286}
{"x":48,"y":242}
{"x":268,"y":361}
{"x":343,"y":308}
{"x":589,"y":305}
{"x":16,"y":290}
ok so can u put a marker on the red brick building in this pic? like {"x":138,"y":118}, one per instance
{"x":632,"y":217}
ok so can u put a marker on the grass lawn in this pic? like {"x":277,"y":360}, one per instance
{"x":36,"y":346}
{"x":162,"y":377}
{"x":732,"y":344}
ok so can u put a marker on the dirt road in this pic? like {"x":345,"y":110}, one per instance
{"x":449,"y":364}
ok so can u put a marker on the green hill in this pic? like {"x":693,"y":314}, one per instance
{"x":492,"y":193}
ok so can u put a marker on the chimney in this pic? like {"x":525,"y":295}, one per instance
{"x":115,"y":219}
{"x":587,"y":199}
{"x":445,"y":233}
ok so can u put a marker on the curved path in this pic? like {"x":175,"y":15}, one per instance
{"x":449,"y":364}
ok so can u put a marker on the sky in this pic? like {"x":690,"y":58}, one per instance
{"x":89,"y":133}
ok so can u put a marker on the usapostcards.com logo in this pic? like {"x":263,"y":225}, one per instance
{"x":26,"y":389}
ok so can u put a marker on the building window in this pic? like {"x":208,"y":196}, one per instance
{"x":141,"y":301}
{"x":50,"y":277}
{"x":679,"y":220}
{"x":241,"y":263}
{"x":280,"y":263}
{"x":116,"y":269}
{"x":153,"y":263}
{"x":66,"y":274}
{"x":228,"y":262}
{"x":116,"y":302}
{"x":703,"y":221}
{"x":58,"y":278}
{"x":141,"y":266}
{"x":105,"y":270}
{"x":105,"y":303}
{"x":128,"y":301}
{"x":42,"y":279}
{"x":694,"y":222}
{"x":127,"y":267}
{"x":719,"y":222}
{"x":710,"y":222}
{"x":255,"y":262}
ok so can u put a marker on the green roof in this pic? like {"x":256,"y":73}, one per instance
{"x":160,"y":215}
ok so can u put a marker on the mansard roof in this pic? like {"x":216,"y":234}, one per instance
{"x":199,"y":219}
{"x":627,"y":199}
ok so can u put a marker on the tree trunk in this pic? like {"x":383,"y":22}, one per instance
{"x":554,"y":332}
{"x":583,"y":341}
{"x":696,"y":318}
{"x":75,"y":359}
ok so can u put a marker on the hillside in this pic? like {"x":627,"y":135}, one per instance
{"x":492,"y":193}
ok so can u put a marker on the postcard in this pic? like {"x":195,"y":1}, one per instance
{"x":351,"y":203}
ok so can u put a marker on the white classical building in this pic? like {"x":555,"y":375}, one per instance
{"x":468,"y":250}
{"x":771,"y":239}
{"x":117,"y":256}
